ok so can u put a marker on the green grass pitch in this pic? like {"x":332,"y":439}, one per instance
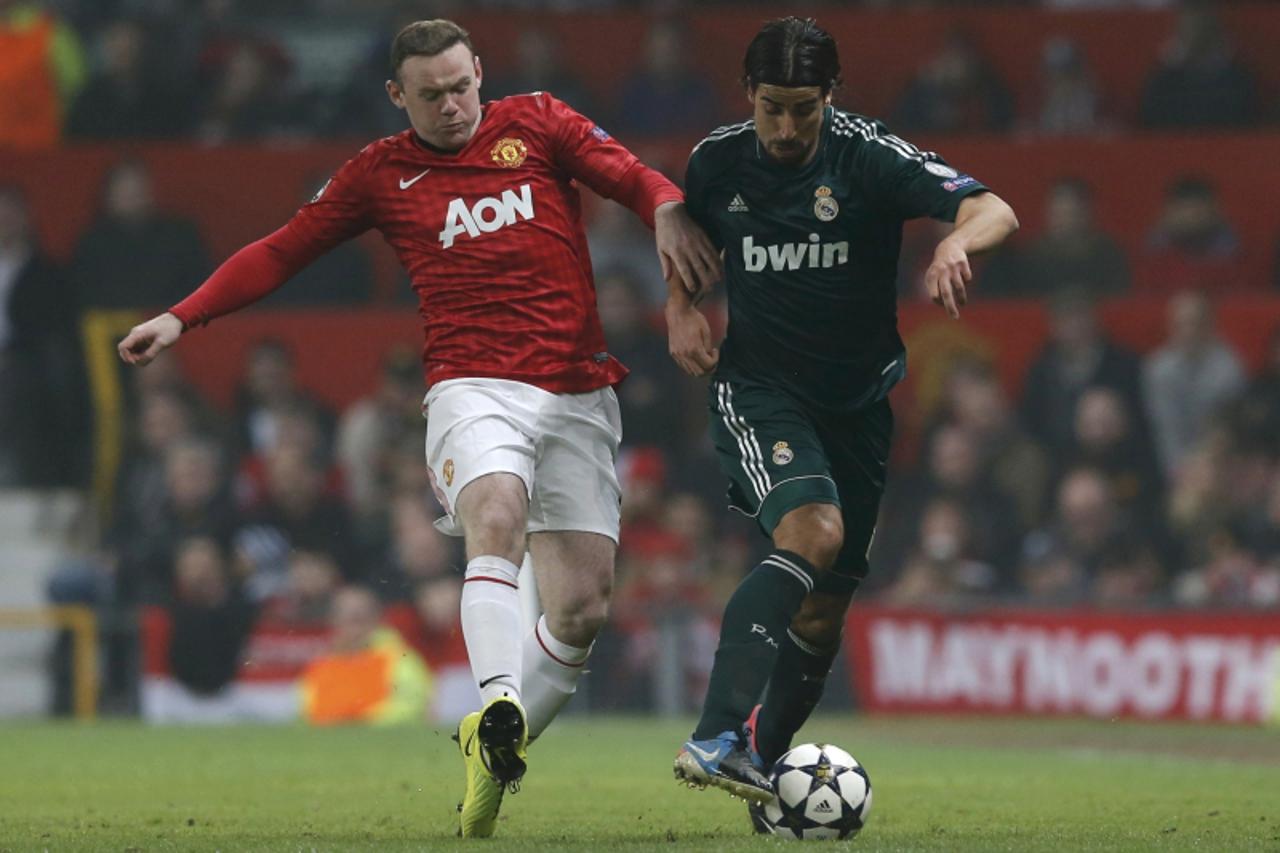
{"x":605,"y":784}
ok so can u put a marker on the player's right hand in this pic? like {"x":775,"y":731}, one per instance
{"x":147,"y":340}
{"x":689,"y":340}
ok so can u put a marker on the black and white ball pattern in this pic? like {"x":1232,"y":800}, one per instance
{"x":822,"y":793}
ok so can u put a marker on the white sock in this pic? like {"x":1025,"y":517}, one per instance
{"x":551,"y":673}
{"x":491,"y":626}
{"x":530,"y":605}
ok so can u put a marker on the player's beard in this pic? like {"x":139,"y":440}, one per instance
{"x":789,"y":153}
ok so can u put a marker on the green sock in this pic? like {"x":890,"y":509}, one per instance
{"x":755,"y":624}
{"x":795,"y":686}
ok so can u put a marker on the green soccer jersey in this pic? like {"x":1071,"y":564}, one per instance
{"x":811,"y":253}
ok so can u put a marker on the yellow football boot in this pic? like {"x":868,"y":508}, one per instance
{"x":493,"y":743}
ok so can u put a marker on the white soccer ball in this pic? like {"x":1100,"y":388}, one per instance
{"x":822,"y":792}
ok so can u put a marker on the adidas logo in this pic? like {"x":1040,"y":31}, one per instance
{"x":738,"y":205}
{"x":823,"y":807}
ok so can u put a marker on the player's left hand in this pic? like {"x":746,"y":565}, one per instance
{"x":685,"y":249}
{"x":948,"y":277}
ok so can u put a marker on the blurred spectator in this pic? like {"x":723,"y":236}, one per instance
{"x":1073,"y":251}
{"x":621,"y":245}
{"x":667,"y":96}
{"x":1060,"y":560}
{"x":1129,"y":574}
{"x":210,"y":620}
{"x":642,"y":471}
{"x":1200,"y":81}
{"x":940,"y":569}
{"x":1069,"y":98}
{"x":953,"y":467}
{"x":295,"y":515}
{"x":1192,"y":244}
{"x":342,"y":275}
{"x":1077,"y":356}
{"x":1255,"y":415}
{"x":432,"y":625}
{"x":135,"y":255}
{"x":195,"y":503}
{"x":297,"y":427}
{"x":304,"y":597}
{"x":975,"y":401}
{"x":41,"y":69}
{"x":418,"y":552}
{"x":372,"y":428}
{"x":667,"y":638}
{"x":270,"y":388}
{"x":656,"y":395}
{"x":956,"y":92}
{"x":163,"y":420}
{"x":43,"y":420}
{"x":1231,"y":577}
{"x":248,"y":95}
{"x":369,"y":675}
{"x":361,"y":108}
{"x":1189,"y":378}
{"x":1107,"y":437}
{"x":539,"y":68}
{"x":127,"y":96}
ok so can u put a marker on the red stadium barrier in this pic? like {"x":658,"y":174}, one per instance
{"x":238,"y":194}
{"x":339,"y":351}
{"x":1170,"y":665}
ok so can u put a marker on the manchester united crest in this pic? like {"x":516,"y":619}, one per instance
{"x":509,"y":152}
{"x":448,"y":472}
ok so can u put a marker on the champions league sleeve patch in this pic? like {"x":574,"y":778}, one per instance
{"x":600,"y":133}
{"x":958,"y":182}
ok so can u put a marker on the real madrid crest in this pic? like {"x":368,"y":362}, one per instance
{"x":825,"y":207}
{"x":509,"y":152}
{"x":782,"y":453}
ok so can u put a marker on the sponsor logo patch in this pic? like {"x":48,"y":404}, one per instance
{"x":600,"y":133}
{"x":958,"y":183}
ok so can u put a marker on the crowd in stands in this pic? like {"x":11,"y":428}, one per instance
{"x":223,"y":71}
{"x":280,"y":535}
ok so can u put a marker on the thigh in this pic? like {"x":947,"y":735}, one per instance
{"x":768,"y":447}
{"x":858,"y":446}
{"x":477,"y":427}
{"x":575,"y":484}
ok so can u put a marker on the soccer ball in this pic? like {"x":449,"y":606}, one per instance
{"x":822,"y":792}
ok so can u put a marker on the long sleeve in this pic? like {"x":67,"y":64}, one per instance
{"x":339,"y":211}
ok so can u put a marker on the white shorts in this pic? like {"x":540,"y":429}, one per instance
{"x":564,"y":447}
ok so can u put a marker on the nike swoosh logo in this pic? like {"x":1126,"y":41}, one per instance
{"x":467,"y":749}
{"x":404,"y":185}
{"x":494,"y":678}
{"x":706,"y":756}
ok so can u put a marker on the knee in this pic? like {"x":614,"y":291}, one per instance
{"x":815,"y":532}
{"x":820,"y":620}
{"x":495,"y":526}
{"x":580,"y":619}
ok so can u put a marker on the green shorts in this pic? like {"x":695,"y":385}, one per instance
{"x":780,"y":454}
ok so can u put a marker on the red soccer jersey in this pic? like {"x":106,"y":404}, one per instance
{"x":491,"y":235}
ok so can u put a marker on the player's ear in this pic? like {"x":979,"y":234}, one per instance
{"x":479,"y":71}
{"x":751,"y":94}
{"x":395,"y":93}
